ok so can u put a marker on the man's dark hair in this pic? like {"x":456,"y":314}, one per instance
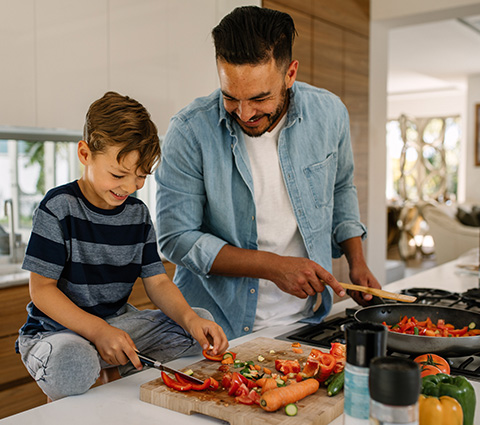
{"x":253,"y":35}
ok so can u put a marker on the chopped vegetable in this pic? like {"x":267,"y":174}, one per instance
{"x":188,"y":372}
{"x":336,"y":385}
{"x":291,"y":409}
{"x":213,"y":357}
{"x":279,"y":397}
{"x":260,"y":358}
{"x":171,"y":383}
{"x":196,"y":387}
{"x":411,"y":326}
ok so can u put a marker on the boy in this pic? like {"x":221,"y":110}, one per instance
{"x":90,"y":241}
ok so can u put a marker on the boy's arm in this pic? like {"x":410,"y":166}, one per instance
{"x":114,"y":345}
{"x":168,"y":298}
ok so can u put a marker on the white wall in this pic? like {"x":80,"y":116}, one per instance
{"x":385,"y":15}
{"x":58,"y":56}
{"x":472,"y":177}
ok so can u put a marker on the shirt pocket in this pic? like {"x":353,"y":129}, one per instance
{"x":321,"y":180}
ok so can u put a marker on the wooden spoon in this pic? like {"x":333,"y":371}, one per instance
{"x":379,"y":292}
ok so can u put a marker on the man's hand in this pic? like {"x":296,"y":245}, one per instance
{"x":361,"y":275}
{"x":302,"y":277}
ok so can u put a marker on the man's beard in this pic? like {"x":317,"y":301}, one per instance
{"x":272,"y":118}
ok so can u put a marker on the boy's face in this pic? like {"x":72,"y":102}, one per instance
{"x":105,"y":182}
{"x":256,"y":95}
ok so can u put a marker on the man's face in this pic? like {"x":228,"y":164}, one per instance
{"x":256,"y":95}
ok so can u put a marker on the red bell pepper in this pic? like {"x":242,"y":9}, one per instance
{"x":171,"y":383}
{"x":196,"y":387}
{"x":287,"y":366}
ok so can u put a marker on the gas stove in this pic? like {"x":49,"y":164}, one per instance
{"x":332,"y":329}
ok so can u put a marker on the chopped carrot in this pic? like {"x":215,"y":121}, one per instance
{"x":279,"y":397}
{"x":267,"y":371}
{"x":260,"y":382}
{"x":297,"y":350}
{"x":296,"y":345}
{"x":284,"y":378}
{"x":258,"y":367}
{"x":269,"y":384}
{"x":228,"y":360}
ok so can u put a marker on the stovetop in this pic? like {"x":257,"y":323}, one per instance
{"x":332,"y":329}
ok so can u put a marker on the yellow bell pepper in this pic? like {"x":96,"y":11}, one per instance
{"x":444,"y":410}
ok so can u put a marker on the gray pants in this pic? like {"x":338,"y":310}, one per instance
{"x":64,"y":363}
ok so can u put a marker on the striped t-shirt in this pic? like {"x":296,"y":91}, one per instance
{"x":95,"y":254}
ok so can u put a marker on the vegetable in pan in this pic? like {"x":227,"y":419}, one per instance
{"x":411,"y":326}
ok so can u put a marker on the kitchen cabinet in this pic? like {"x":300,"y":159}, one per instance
{"x":18,"y":391}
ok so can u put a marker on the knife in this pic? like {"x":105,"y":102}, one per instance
{"x":148,"y":361}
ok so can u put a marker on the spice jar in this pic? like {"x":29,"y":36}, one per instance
{"x":394,"y":385}
{"x":364,"y":341}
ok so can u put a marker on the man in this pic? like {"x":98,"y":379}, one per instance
{"x":255,"y":189}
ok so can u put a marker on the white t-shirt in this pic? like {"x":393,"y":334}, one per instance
{"x":276,"y":228}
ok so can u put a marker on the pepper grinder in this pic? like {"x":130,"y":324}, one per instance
{"x":365,"y":341}
{"x":394,"y":385}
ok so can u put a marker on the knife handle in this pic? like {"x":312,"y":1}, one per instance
{"x":148,"y":361}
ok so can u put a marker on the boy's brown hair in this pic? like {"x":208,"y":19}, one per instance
{"x":120,"y":120}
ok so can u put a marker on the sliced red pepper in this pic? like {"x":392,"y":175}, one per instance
{"x":458,"y":332}
{"x":214,"y":384}
{"x":237,"y":381}
{"x":227,"y":380}
{"x":215,"y":358}
{"x":244,"y":399}
{"x":171,"y":383}
{"x":196,"y":387}
{"x":287,"y":366}
{"x":327,"y":364}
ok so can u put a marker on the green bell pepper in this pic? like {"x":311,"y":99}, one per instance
{"x":454,"y":386}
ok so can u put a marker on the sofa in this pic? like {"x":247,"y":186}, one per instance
{"x":451,"y":237}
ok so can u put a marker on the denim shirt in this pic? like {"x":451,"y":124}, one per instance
{"x":205,"y":197}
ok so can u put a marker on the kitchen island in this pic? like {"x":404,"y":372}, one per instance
{"x":118,"y":402}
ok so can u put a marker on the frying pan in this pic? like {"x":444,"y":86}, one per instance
{"x":417,"y":344}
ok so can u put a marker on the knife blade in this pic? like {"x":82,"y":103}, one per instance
{"x":149,"y":361}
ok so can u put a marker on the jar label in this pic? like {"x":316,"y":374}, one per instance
{"x":357,"y":395}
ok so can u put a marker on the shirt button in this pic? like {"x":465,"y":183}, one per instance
{"x":252,"y":291}
{"x":246,"y":328}
{"x":253,"y":217}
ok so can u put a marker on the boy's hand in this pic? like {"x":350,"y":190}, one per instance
{"x":115,"y":346}
{"x":208,"y":334}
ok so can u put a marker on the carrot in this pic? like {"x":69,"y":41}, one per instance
{"x":279,"y":397}
{"x":269,"y":384}
{"x":260,"y":382}
{"x":258,"y":367}
{"x":267,"y":371}
{"x":297,"y":350}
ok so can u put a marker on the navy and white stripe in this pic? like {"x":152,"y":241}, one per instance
{"x":95,"y":255}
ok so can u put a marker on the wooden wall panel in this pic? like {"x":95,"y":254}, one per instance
{"x":353,"y":15}
{"x":302,"y":49}
{"x":328,"y":57}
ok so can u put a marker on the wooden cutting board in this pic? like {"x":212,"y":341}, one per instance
{"x":318,"y":408}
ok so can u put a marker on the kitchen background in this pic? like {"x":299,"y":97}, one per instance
{"x":60,"y":55}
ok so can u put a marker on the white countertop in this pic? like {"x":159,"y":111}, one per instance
{"x":118,"y":402}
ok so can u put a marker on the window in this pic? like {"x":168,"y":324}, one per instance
{"x":34,"y":160}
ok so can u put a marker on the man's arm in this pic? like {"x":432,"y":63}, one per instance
{"x":294,"y":275}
